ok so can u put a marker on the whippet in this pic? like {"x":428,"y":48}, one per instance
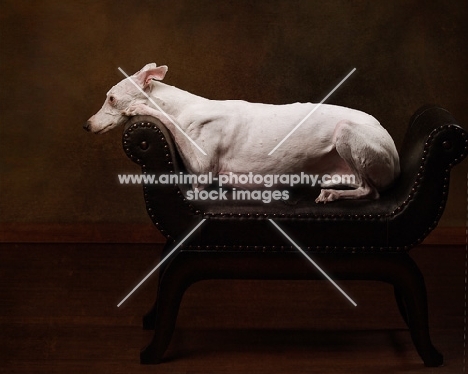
{"x":237,"y":136}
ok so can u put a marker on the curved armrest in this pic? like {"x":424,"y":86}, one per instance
{"x":433,"y":144}
{"x":147,"y":142}
{"x":432,"y":133}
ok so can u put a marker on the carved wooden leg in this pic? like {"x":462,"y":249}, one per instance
{"x":410,"y":285}
{"x":173,"y":282}
{"x":149,"y":319}
{"x":410,"y":291}
{"x":401,"y":305}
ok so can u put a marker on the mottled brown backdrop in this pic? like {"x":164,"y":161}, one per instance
{"x":59,"y":58}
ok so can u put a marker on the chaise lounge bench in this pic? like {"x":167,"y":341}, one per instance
{"x":352,"y":239}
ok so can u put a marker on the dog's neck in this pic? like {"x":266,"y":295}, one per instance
{"x":172,"y":99}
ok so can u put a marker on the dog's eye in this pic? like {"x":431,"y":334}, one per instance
{"x":111,"y":99}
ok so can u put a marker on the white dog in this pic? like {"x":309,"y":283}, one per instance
{"x":238,"y":136}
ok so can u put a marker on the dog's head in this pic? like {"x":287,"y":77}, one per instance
{"x":130,"y":91}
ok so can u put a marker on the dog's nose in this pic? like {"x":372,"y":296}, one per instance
{"x":86,"y":126}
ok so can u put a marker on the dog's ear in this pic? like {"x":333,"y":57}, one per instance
{"x":148,"y":67}
{"x":149,"y":72}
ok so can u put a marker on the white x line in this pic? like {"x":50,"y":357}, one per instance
{"x":313,"y":262}
{"x":271,"y":152}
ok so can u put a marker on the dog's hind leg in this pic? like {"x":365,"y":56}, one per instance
{"x":364,"y":191}
{"x":370,"y":154}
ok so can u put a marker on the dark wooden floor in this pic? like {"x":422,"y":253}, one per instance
{"x":58,"y":314}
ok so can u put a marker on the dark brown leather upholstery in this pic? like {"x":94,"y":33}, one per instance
{"x":402,"y":217}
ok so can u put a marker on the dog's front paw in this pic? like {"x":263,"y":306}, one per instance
{"x":327,"y":196}
{"x":137,"y":110}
